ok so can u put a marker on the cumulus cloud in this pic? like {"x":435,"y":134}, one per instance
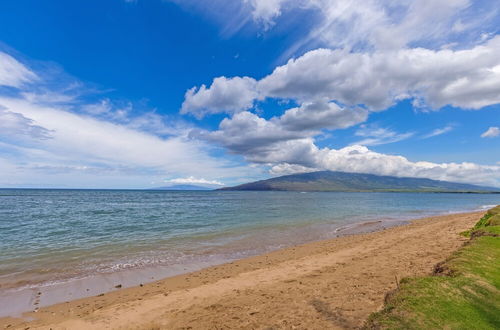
{"x":224,"y":95}
{"x":468,"y":78}
{"x":248,"y":134}
{"x":193,"y":180}
{"x":491,"y":132}
{"x":257,"y":138}
{"x":321,"y":114}
{"x":287,"y":151}
{"x":13,"y":73}
{"x":302,"y":155}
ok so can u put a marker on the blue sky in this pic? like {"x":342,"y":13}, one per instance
{"x":146,"y":93}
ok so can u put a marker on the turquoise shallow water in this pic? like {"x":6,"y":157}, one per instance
{"x":50,"y":236}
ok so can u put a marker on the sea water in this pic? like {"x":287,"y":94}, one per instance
{"x":55,"y":237}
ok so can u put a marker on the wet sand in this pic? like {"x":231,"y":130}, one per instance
{"x":328,"y":284}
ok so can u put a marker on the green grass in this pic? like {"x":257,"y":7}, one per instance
{"x":489,"y":220}
{"x":463,"y":294}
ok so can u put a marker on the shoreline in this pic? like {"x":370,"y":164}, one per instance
{"x":212,"y":283}
{"x":39,"y":295}
{"x":33,"y":297}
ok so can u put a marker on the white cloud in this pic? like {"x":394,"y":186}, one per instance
{"x":287,"y":151}
{"x":321,"y":114}
{"x":193,"y":180}
{"x":248,"y":134}
{"x":154,"y":123}
{"x":265,"y":11}
{"x":384,"y":52}
{"x":224,"y":95}
{"x":50,"y":137}
{"x":13,"y":73}
{"x":439,"y":131}
{"x":14,"y":125}
{"x":127,"y":114}
{"x":257,"y":138}
{"x":91,"y":146}
{"x":104,"y":106}
{"x":360,"y":159}
{"x":466,"y":78}
{"x":373,"y":135}
{"x":232,"y":16}
{"x":356,"y":24}
{"x":491,"y":132}
{"x":286,"y":169}
{"x":48,"y":97}
{"x":384,"y":24}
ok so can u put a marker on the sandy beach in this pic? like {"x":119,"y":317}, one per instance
{"x":332,"y":284}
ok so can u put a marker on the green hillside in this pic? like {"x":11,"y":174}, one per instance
{"x":342,"y":181}
{"x":464,"y":292}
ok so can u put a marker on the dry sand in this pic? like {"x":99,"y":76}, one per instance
{"x":332,"y":284}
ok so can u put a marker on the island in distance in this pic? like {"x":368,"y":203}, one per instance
{"x":346,"y":182}
{"x":182,"y":187}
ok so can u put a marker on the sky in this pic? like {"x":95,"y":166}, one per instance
{"x":149,"y":93}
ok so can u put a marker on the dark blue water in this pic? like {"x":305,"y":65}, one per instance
{"x":58,"y":235}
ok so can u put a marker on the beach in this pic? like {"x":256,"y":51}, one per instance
{"x":334,"y":283}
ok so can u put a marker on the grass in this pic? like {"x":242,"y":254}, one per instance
{"x":464,"y":292}
{"x":490,"y":220}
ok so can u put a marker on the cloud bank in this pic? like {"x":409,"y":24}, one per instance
{"x":285,"y":151}
{"x":360,"y":159}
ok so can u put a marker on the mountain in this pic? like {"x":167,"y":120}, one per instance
{"x":342,"y":181}
{"x":182,"y":187}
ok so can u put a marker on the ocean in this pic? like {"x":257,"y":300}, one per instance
{"x":65,"y":239}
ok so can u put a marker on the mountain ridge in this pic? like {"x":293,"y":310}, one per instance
{"x":357,"y":182}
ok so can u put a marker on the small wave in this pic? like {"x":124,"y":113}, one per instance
{"x":487,"y":207}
